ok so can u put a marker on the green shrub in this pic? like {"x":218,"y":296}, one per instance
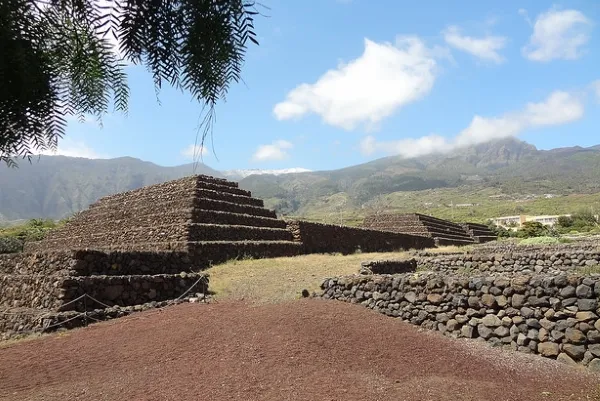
{"x":33,"y":230}
{"x":533,"y":229}
{"x":540,"y":241}
{"x":499,"y":231}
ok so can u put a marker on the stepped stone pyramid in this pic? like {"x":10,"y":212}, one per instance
{"x":444,"y":232}
{"x":209,"y":218}
{"x":480,"y":232}
{"x":135,"y":250}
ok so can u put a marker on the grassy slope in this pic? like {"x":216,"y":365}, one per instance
{"x":436,"y":202}
{"x":281,"y":279}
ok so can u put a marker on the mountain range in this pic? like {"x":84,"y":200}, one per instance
{"x":57,"y":186}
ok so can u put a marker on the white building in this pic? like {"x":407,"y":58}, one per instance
{"x":517,"y":221}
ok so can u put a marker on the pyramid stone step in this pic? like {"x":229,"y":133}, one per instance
{"x":176,"y":204}
{"x":190,"y":182}
{"x":477,"y":226}
{"x":146,"y":218}
{"x":480,"y":239}
{"x":31,"y":290}
{"x":93,"y":240}
{"x":140,"y":217}
{"x":475,"y":232}
{"x":424,"y":217}
{"x":217,"y":232}
{"x":229,"y":218}
{"x":203,"y":252}
{"x":213,"y":252}
{"x":210,"y":204}
{"x":167,"y":233}
{"x":449,"y":241}
{"x":160,"y":198}
{"x":445,"y":228}
{"x":451,"y":236}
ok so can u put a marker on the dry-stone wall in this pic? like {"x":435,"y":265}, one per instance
{"x":545,"y":303}
{"x":45,"y":289}
{"x":87,"y":262}
{"x":57,"y":291}
{"x":511,"y":247}
{"x":555,"y":316}
{"x":444,"y":232}
{"x":327,"y":238}
{"x":22,"y":321}
{"x":525,"y":262}
{"x":388,"y":266}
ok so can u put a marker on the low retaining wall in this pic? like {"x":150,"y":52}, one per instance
{"x":534,"y":262}
{"x":57,"y":292}
{"x":15,"y":322}
{"x":327,"y":238}
{"x":88,"y":262}
{"x":504,"y":247}
{"x":555,"y":316}
{"x":388,"y":266}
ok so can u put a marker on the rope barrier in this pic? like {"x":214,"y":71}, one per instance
{"x":85,"y":315}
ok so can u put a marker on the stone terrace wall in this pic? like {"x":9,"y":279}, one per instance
{"x":326,"y":238}
{"x":445,"y":232}
{"x":56,"y":292}
{"x":526,"y":262}
{"x":555,"y":316}
{"x":87,"y":262}
{"x":508,"y":247}
{"x":17,"y":322}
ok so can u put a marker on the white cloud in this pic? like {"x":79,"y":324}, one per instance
{"x":194,"y":151}
{"x":558,"y":108}
{"x":367,"y":89}
{"x":72,"y":148}
{"x":274,"y":151}
{"x":558,"y":34}
{"x":485,"y":48}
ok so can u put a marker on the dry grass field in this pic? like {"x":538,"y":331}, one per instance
{"x":282,"y":279}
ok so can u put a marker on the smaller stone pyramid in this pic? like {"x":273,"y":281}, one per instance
{"x":443,"y":231}
{"x":212,"y":219}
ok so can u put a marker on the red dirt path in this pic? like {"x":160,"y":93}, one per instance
{"x":303,"y":350}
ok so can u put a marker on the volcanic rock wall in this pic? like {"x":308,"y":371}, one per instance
{"x":46,"y":289}
{"x":327,"y":238}
{"x":444,"y":232}
{"x":554,"y":316}
{"x":525,"y":262}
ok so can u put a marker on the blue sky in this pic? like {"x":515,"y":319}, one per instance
{"x":341,"y":82}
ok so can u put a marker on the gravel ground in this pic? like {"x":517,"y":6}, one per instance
{"x":300,"y":350}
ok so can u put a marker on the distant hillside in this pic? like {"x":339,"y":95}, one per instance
{"x":509,"y":166}
{"x":58,"y":186}
{"x":508,"y":169}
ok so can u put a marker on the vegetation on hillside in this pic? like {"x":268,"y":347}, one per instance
{"x":68,"y":57}
{"x":13,"y":238}
{"x":491,"y":180}
{"x":582,"y":221}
